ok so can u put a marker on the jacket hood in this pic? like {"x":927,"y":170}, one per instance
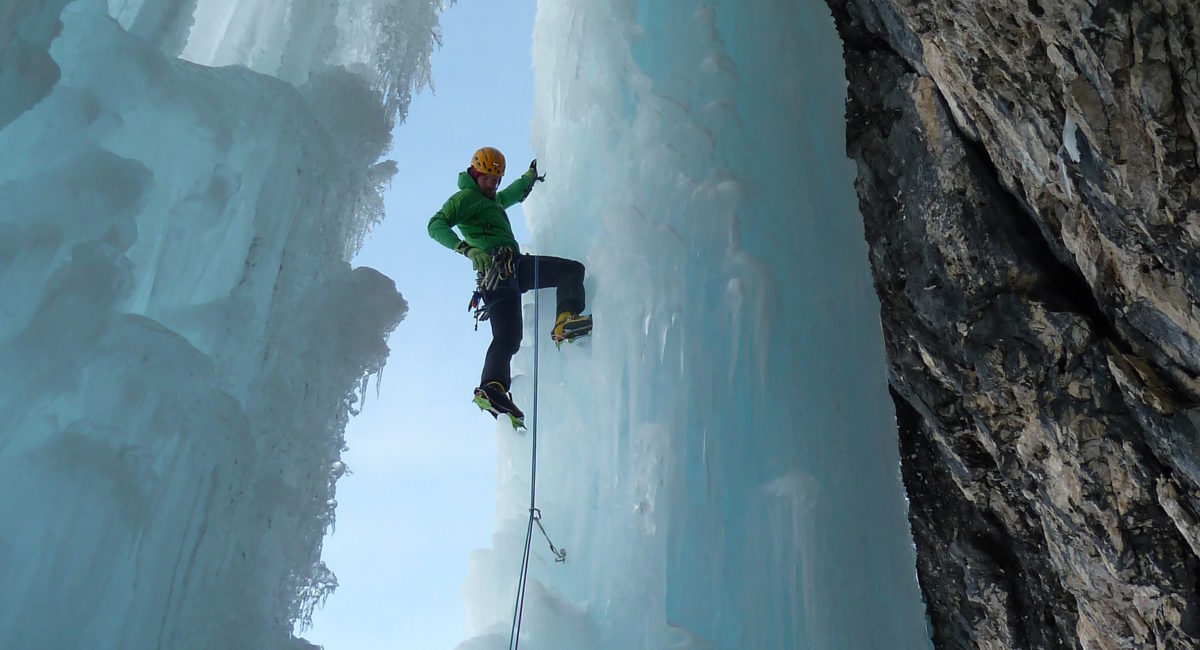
{"x":465,"y":182}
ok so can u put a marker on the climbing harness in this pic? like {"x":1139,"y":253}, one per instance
{"x":535,"y":515}
{"x":503,"y":269}
{"x":504,"y":266}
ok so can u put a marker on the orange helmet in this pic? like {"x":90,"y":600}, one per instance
{"x":488,"y":160}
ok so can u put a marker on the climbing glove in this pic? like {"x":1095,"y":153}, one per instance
{"x":536,"y":178}
{"x":533,"y":168}
{"x":480,"y":261}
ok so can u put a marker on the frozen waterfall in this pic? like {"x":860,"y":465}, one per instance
{"x":720,"y":459}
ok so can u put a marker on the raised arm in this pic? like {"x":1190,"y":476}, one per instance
{"x":518,"y":189}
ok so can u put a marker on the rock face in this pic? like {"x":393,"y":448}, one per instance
{"x":1029,"y":180}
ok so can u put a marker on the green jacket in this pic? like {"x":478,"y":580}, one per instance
{"x":481,"y":220}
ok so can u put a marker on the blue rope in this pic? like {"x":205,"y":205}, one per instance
{"x":514,"y":638}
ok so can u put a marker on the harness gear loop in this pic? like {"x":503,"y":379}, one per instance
{"x":502,"y":269}
{"x":504,"y":266}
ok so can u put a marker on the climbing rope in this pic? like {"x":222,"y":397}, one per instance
{"x":535,"y":515}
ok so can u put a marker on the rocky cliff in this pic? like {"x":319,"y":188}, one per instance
{"x":1028,"y":176}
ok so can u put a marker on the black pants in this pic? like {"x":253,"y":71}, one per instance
{"x":504,"y":308}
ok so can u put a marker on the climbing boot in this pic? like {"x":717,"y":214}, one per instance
{"x":569,"y":326}
{"x":493,"y":398}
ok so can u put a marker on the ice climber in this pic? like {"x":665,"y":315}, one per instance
{"x":503,"y":272}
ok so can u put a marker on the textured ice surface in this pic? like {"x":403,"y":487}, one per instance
{"x":720,"y":458}
{"x":181,"y":336}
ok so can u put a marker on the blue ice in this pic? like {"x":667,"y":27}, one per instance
{"x":720,"y":458}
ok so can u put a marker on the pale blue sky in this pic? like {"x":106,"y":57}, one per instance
{"x":423,"y":458}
